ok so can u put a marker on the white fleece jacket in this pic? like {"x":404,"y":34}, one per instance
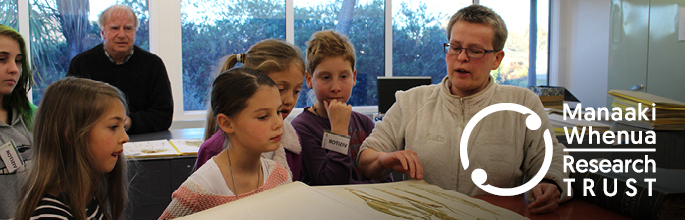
{"x":430,"y":120}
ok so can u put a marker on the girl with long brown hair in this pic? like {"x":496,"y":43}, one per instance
{"x":248,"y":113}
{"x":79,"y":170}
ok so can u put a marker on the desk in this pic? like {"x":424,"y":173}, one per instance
{"x":573,"y":209}
{"x":154,"y":179}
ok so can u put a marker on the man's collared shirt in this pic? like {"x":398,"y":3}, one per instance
{"x":110,"y":57}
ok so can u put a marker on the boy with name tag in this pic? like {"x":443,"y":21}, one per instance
{"x":330,"y":132}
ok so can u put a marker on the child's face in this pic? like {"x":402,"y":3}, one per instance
{"x":332,"y":79}
{"x":107,"y":137}
{"x":289,"y":83}
{"x":10,"y":64}
{"x":258,"y":126}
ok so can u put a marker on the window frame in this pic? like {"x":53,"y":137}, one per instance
{"x":165,"y":41}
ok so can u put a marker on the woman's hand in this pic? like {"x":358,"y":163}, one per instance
{"x":546,"y":198}
{"x":406,"y":161}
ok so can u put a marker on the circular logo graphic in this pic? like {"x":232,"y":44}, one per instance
{"x":479,"y":176}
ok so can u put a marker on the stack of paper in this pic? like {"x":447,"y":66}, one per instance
{"x":669,"y":113}
{"x":162,"y":148}
{"x":186,"y":146}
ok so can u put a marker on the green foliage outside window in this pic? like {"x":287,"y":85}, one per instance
{"x":222,"y":28}
{"x":9,"y":11}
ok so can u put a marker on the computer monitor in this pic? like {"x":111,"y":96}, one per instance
{"x":387,"y":86}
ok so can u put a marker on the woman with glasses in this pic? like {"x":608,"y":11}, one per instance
{"x":16,"y":117}
{"x":420,"y":135}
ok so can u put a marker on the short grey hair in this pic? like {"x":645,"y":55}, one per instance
{"x":481,"y":15}
{"x":105,"y":15}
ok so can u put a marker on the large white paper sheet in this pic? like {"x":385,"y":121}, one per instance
{"x":299,"y":201}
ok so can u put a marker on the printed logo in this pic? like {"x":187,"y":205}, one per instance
{"x":434,"y":137}
{"x":479,"y":176}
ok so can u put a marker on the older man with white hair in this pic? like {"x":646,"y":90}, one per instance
{"x":141,"y":75}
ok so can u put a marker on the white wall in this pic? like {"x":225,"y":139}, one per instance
{"x":580,"y":49}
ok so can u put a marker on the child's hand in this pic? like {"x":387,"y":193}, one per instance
{"x":339,"y":116}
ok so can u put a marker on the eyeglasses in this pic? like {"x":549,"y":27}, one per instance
{"x":471,"y":52}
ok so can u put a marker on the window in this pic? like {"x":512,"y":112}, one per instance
{"x":363,"y":23}
{"x":60,"y":31}
{"x":418,"y":32}
{"x":542,"y":53}
{"x":514,"y":69}
{"x":9,"y":11}
{"x":212,"y":29}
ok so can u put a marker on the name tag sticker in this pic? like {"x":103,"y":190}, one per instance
{"x":335,"y":142}
{"x":11,"y":157}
